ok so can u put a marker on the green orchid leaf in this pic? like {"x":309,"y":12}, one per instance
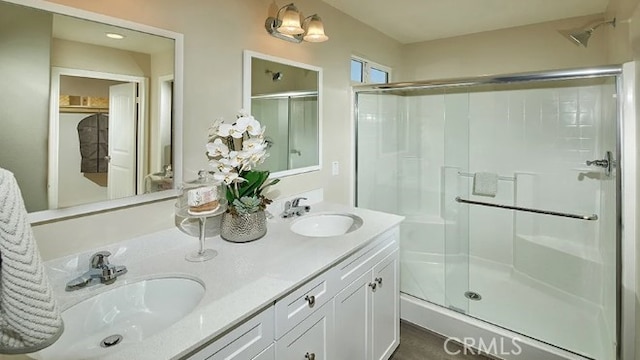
{"x":255,"y":179}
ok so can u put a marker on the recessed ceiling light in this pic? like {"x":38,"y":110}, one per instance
{"x":115,"y":36}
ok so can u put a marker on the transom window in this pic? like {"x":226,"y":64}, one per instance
{"x":367,"y":72}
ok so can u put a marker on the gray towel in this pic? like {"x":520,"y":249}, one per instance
{"x":29,"y":315}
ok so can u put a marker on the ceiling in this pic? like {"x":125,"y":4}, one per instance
{"x":410,"y":21}
{"x":91,"y":32}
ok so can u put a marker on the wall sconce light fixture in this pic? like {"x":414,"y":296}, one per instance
{"x":288,"y":26}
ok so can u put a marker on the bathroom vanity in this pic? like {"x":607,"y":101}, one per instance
{"x":285,"y":296}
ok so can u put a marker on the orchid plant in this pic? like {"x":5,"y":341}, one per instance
{"x":234,"y":151}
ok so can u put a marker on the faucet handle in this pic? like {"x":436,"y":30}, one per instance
{"x":296,"y":202}
{"x":99,"y":259}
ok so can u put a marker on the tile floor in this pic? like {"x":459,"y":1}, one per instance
{"x":419,"y":344}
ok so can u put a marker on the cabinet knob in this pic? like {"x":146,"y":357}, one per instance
{"x":373,"y":286}
{"x":311,"y":356}
{"x":311,"y":300}
{"x":379,"y":281}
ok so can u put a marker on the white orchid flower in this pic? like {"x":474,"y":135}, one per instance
{"x":253,"y":145}
{"x":220,"y":166}
{"x":258,"y":157}
{"x":231,"y":160}
{"x":213,"y":129}
{"x":217,"y":148}
{"x":250,"y":125}
{"x":229,"y":130}
{"x":228,"y":178}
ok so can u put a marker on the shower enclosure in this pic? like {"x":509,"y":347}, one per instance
{"x":292,"y":120}
{"x":511,"y":191}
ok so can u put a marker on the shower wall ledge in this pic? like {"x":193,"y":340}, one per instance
{"x":542,"y":259}
{"x":585,"y":252}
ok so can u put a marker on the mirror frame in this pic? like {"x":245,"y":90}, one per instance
{"x":46,"y":216}
{"x":248,"y":55}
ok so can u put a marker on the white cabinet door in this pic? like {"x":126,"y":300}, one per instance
{"x":385,"y":307}
{"x":353,"y":320}
{"x":268,"y":354}
{"x":312,"y":339}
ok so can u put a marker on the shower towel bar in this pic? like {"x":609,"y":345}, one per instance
{"x":537,"y":211}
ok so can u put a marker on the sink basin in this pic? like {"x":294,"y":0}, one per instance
{"x":121,"y":316}
{"x":326,"y":225}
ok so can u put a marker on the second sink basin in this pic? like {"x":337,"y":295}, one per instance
{"x":326,"y":225}
{"x":123,"y":315}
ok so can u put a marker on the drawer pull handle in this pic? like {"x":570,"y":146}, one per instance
{"x":311,"y":356}
{"x":379,"y":281}
{"x":373,"y":286}
{"x":311,"y":300}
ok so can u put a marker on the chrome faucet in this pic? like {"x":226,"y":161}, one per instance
{"x":100,"y":272}
{"x":293,"y":208}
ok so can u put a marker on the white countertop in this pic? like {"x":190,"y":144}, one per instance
{"x":241,"y":280}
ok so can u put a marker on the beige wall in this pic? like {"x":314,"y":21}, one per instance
{"x":213,"y":88}
{"x":24,"y":99}
{"x":519,"y":49}
{"x":293,"y":78}
{"x":75,"y":55}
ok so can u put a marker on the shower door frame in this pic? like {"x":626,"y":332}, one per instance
{"x":626,"y":182}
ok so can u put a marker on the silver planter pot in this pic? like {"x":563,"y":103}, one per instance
{"x":243,"y":228}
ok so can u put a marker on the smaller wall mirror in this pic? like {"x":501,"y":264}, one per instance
{"x":285,"y":96}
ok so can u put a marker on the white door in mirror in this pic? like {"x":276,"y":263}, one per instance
{"x":122,"y":141}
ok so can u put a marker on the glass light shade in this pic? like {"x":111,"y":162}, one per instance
{"x":315,"y":30}
{"x":290,"y":21}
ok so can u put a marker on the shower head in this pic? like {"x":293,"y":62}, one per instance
{"x":275,"y":76}
{"x":581,"y":37}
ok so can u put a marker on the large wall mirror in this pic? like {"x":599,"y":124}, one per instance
{"x":90,"y":109}
{"x":285,"y":96}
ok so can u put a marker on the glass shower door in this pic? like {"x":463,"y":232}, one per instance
{"x":456,"y":177}
{"x":550,"y":276}
{"x":547,"y":277}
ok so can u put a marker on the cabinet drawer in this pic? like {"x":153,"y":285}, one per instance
{"x":243,"y":342}
{"x":302,"y":302}
{"x":364,"y":259}
{"x":268,"y":354}
{"x":311,"y":339}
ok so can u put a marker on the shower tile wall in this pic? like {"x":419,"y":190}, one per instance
{"x":542,"y":137}
{"x":379,"y":117}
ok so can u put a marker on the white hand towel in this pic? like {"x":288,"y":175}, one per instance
{"x":29,"y":315}
{"x":485,"y":184}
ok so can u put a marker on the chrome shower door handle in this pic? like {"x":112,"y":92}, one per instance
{"x":608,"y":163}
{"x":600,"y":163}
